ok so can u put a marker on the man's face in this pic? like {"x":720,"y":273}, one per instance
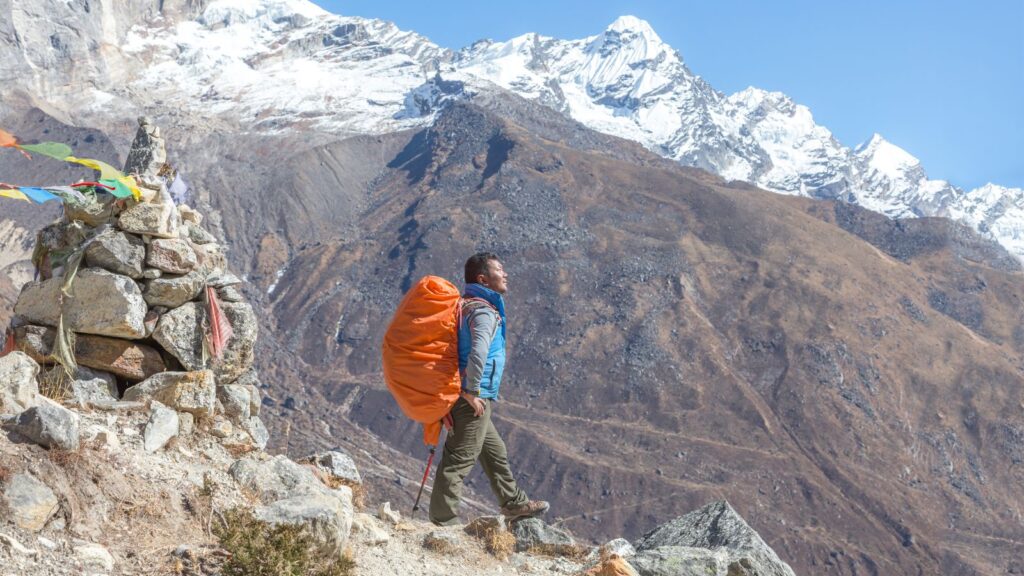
{"x":496,"y":279}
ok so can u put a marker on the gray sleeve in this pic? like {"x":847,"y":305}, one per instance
{"x":482,"y":327}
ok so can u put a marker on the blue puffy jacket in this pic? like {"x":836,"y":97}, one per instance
{"x":482,"y":353}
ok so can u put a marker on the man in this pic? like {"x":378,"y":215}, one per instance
{"x":473,"y":436}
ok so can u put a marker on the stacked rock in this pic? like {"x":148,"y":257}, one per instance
{"x":152,"y":310}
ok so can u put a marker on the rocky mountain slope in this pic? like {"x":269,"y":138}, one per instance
{"x":278,"y":65}
{"x":131,"y":440}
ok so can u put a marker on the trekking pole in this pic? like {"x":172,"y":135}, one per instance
{"x":423,"y":483}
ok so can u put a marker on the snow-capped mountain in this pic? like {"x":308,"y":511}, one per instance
{"x":275,"y":65}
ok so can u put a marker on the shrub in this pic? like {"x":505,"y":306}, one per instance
{"x":257,"y":548}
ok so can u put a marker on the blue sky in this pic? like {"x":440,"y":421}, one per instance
{"x":942,"y":79}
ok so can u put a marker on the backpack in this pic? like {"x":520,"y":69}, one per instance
{"x":421,"y":353}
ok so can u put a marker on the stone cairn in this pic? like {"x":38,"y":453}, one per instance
{"x":135,"y":307}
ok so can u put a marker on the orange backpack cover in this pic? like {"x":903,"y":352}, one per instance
{"x":421,"y":353}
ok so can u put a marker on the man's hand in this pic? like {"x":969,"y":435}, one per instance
{"x":476,"y":402}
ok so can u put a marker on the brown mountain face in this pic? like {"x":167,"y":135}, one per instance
{"x":852,"y":385}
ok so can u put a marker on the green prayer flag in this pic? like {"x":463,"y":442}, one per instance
{"x":52,"y":149}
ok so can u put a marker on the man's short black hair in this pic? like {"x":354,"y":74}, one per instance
{"x":478,"y":264}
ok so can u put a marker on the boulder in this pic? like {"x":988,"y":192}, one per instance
{"x":18,"y":385}
{"x":535,"y":533}
{"x":157,"y":220}
{"x":180,"y":332}
{"x":100,"y":302}
{"x":337,"y":466}
{"x":235,"y":400}
{"x":728,"y":544}
{"x":129,"y":360}
{"x":240,"y":352}
{"x":173,"y":291}
{"x":230,"y":294}
{"x":257,"y":431}
{"x":117,"y":252}
{"x":29,"y":502}
{"x":148,"y":153}
{"x":211,"y":257}
{"x":171,"y":255}
{"x":49,"y":424}
{"x":326,"y":517}
{"x":163,"y":424}
{"x":197,"y":234}
{"x":277,"y":477}
{"x":94,"y":214}
{"x":89,"y":387}
{"x":192,"y":392}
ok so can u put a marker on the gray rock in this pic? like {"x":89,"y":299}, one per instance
{"x":128,"y":359}
{"x":163,"y":425}
{"x":94,"y":558}
{"x":49,"y":424}
{"x":684,"y":561}
{"x":235,"y":400}
{"x":18,"y":385}
{"x":336,"y":465}
{"x":713,"y":527}
{"x":193,"y":392}
{"x":117,"y":252}
{"x":211,"y":257}
{"x":240,"y":352}
{"x":223,"y":280}
{"x":221,"y":427}
{"x":388,"y":514}
{"x":147,"y":155}
{"x":255,"y":399}
{"x":87,"y":386}
{"x":326,"y":517}
{"x":276,"y":477}
{"x":173,"y":291}
{"x":180,"y":332}
{"x":158,"y":220}
{"x":186,"y":424}
{"x":231,"y":294}
{"x":198,"y":235}
{"x":535,"y":533}
{"x":620,"y":547}
{"x":29,"y":502}
{"x":101,"y":303}
{"x":257,"y":431}
{"x":171,"y":255}
{"x":152,"y":273}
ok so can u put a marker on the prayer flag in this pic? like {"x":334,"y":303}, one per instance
{"x":15,"y":194}
{"x":38,"y":195}
{"x":51,"y":149}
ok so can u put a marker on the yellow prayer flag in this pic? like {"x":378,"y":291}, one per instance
{"x":15,"y":194}
{"x":107,"y":172}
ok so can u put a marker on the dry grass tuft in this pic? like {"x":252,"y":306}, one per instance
{"x":5,"y":474}
{"x":256,"y":548}
{"x":571,"y":551}
{"x":67,"y":459}
{"x":500,"y":544}
{"x":55,"y":384}
{"x":439,"y":545}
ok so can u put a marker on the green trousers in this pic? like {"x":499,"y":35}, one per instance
{"x":471,"y":438}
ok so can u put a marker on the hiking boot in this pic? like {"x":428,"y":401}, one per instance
{"x":527,"y":510}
